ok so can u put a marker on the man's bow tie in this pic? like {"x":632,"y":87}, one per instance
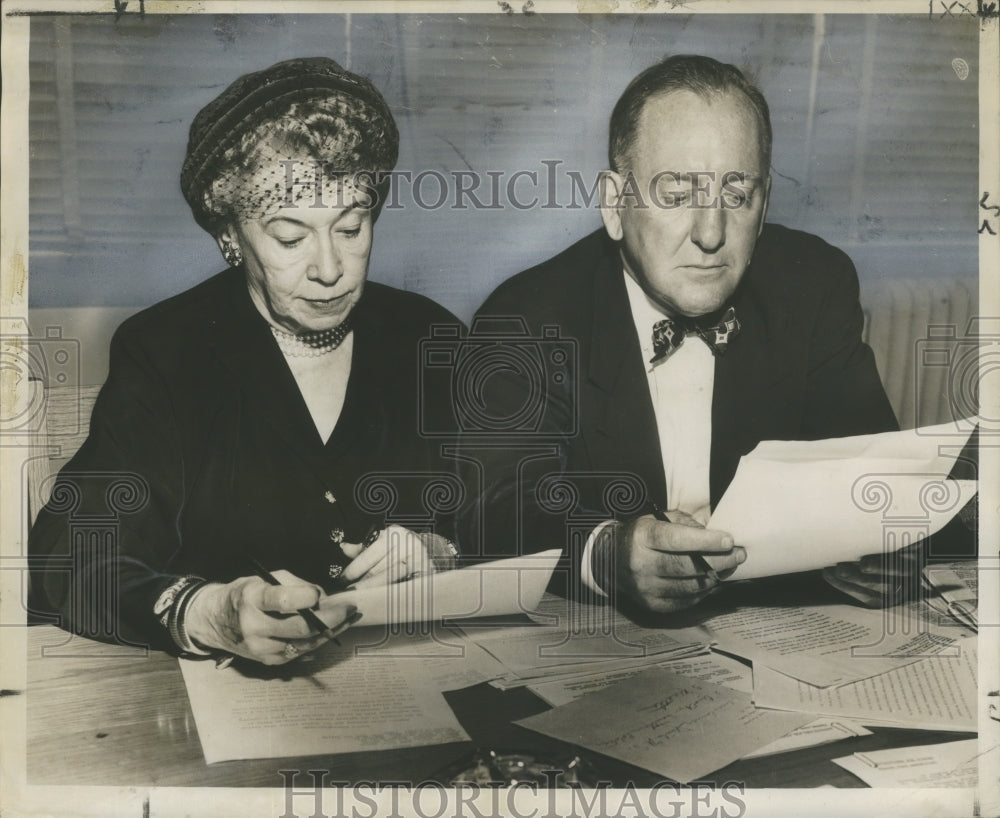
{"x":669,"y":334}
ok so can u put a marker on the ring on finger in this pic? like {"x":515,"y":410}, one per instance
{"x":290,"y":650}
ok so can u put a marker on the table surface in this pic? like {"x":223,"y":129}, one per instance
{"x":100,"y":714}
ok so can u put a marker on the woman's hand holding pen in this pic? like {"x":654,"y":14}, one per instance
{"x":659,"y":562}
{"x":394,"y":554}
{"x":257,"y":620}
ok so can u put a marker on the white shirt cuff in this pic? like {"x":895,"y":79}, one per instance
{"x":586,"y":569}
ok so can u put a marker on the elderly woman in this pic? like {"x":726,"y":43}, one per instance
{"x":247,"y":409}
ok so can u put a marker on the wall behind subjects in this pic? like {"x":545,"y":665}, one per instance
{"x":876,"y":147}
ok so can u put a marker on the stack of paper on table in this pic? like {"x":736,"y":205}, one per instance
{"x":825,"y":645}
{"x":670,"y":720}
{"x":933,"y":693}
{"x":955,"y":588}
{"x":839,"y":667}
{"x":846,"y":662}
{"x":802,"y":505}
{"x":569,"y":638}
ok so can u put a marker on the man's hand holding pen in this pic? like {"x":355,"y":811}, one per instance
{"x":658,"y":561}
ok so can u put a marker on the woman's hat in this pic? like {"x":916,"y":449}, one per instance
{"x":254,"y":99}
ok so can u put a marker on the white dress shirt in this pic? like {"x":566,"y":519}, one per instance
{"x":680,"y":387}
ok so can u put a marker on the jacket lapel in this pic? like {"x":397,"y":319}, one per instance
{"x":747,"y":404}
{"x":616,"y":397}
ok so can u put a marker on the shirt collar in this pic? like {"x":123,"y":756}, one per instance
{"x":645,"y":313}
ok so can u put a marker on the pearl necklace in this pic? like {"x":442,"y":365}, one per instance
{"x":312,"y":344}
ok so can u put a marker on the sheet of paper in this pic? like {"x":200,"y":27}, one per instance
{"x":929,"y":448}
{"x":936,"y":693}
{"x":496,"y":588}
{"x":338,"y":703}
{"x":537,"y":675}
{"x":545,"y":648}
{"x":801,"y":505}
{"x":716,"y":669}
{"x":821,"y":731}
{"x":572,"y":616}
{"x":709,"y":667}
{"x":823,"y":645}
{"x":448,"y":658}
{"x":677,"y":726}
{"x":570,"y":638}
{"x":955,"y":764}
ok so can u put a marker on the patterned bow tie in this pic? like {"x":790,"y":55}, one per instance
{"x":669,"y":334}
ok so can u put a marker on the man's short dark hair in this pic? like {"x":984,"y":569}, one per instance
{"x":682,"y":72}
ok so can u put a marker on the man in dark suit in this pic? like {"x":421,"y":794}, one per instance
{"x":698,"y":331}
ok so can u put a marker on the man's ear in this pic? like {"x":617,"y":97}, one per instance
{"x":763,"y":210}
{"x":610,"y":185}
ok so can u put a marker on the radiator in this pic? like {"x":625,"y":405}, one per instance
{"x":917,"y":329}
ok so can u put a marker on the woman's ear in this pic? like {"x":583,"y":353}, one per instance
{"x":229,"y":245}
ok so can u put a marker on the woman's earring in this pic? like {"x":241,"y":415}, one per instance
{"x":231,"y":253}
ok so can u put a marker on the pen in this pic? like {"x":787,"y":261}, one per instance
{"x":698,"y":560}
{"x":308,"y":615}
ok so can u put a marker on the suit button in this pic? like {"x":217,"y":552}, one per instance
{"x":337,"y":536}
{"x":330,"y":498}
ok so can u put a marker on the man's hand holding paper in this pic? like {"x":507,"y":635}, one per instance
{"x":653,"y":562}
{"x":846,"y":505}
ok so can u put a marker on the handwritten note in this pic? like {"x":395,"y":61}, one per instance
{"x":712,"y":668}
{"x":676,"y":726}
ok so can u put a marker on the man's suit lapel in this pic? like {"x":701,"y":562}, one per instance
{"x":745,"y":398}
{"x":616,"y":401}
